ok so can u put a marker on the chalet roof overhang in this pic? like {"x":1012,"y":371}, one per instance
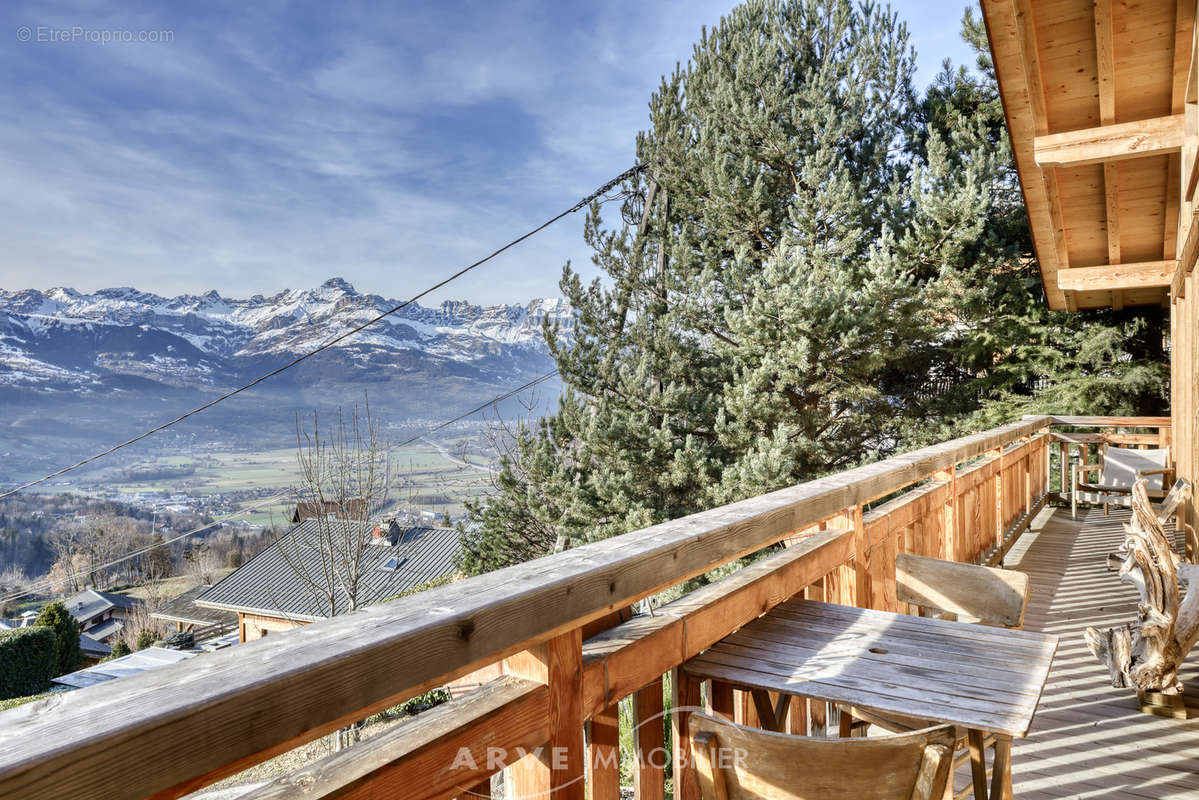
{"x":1094,"y":93}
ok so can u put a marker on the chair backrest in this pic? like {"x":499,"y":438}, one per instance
{"x":737,"y":763}
{"x":1121,"y":465}
{"x":968,"y":592}
{"x":1180,"y":492}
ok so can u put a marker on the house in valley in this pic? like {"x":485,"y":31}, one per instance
{"x":100,"y":615}
{"x":280,"y":588}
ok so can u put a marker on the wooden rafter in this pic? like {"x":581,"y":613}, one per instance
{"x":1107,"y":143}
{"x":1117,"y":277}
{"x":1044,"y":191}
{"x":1105,"y":57}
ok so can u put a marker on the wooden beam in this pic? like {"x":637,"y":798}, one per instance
{"x":1113,"y":277}
{"x":435,"y":755}
{"x":1105,"y":62}
{"x":1146,"y":137}
{"x":1108,"y":422}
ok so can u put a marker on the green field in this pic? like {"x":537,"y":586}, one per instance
{"x":425,"y":477}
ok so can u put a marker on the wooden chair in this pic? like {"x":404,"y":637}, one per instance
{"x":1121,"y":468}
{"x":961,"y":592}
{"x":1179,"y":493}
{"x":733,"y":762}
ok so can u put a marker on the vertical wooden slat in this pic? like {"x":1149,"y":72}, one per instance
{"x":721,"y":699}
{"x":686,"y":697}
{"x":559,"y":768}
{"x":649,"y":743}
{"x":861,"y":558}
{"x":950,"y":514}
{"x":603,"y":755}
{"x":797,"y":716}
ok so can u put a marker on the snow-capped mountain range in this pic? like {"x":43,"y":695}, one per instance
{"x":63,"y":340}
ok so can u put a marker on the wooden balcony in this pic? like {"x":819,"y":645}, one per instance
{"x":571,"y":651}
{"x":1088,"y":739}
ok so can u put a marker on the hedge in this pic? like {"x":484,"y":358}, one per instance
{"x":28,"y":657}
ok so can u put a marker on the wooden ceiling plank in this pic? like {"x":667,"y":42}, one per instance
{"x":1113,"y":277}
{"x":1108,"y":143}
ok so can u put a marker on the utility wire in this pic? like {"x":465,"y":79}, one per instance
{"x":493,"y":401}
{"x":38,"y":588}
{"x":338,"y":338}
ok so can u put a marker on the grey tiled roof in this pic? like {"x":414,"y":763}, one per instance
{"x":93,"y":647}
{"x":184,"y":609}
{"x":269,"y":583}
{"x":106,"y":629}
{"x":89,"y":604}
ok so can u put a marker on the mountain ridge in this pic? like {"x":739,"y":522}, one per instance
{"x":65,"y":340}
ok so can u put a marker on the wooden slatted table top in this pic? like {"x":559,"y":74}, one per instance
{"x":987,"y":679}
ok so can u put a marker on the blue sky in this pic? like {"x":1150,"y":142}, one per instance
{"x":279,"y":145}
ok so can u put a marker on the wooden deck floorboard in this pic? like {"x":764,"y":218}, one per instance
{"x":1090,"y":740}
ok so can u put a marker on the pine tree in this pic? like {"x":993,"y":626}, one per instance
{"x":1004,"y":353}
{"x":831,"y":269}
{"x":746,"y":341}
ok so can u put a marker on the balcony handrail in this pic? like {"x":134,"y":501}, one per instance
{"x":183,"y":726}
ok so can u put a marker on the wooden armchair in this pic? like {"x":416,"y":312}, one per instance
{"x":1121,"y":468}
{"x":733,"y":762}
{"x":961,"y":592}
{"x":1179,"y":493}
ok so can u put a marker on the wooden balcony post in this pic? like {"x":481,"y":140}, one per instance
{"x":558,"y":769}
{"x":1063,"y":468}
{"x":649,"y":743}
{"x":603,"y":755}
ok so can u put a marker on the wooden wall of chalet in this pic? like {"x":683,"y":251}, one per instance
{"x":255,"y":626}
{"x":1184,"y":306}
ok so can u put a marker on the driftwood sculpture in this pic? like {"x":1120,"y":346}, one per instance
{"x":1147,"y":654}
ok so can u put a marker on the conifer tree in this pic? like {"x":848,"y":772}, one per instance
{"x":748,"y":339}
{"x":831,"y":269}
{"x":56,"y":617}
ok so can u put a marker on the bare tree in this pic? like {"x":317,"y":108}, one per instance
{"x":202,"y":562}
{"x":345,"y":480}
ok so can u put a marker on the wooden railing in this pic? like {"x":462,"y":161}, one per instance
{"x":562,"y":629}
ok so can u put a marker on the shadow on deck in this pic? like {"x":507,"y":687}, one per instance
{"x":1090,"y":740}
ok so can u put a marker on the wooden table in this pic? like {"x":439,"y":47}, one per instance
{"x":986,"y":680}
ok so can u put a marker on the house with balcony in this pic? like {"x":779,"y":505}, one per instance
{"x":1101,"y":106}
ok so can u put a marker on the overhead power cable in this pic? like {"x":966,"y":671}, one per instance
{"x":42,"y":586}
{"x":493,"y":401}
{"x":629,"y":173}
